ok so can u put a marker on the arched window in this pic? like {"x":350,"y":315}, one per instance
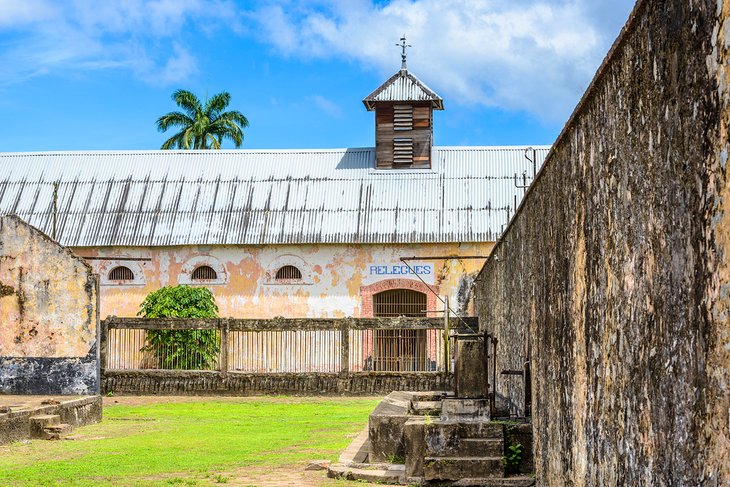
{"x":400,"y":350}
{"x":204,"y":273}
{"x":399,"y":302}
{"x":288,"y":272}
{"x":121,"y":273}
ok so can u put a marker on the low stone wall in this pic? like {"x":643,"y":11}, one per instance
{"x":182,"y":382}
{"x":50,"y":375}
{"x":16,"y":425}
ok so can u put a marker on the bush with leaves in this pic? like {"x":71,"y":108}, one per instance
{"x":513,"y":458}
{"x":181,"y":349}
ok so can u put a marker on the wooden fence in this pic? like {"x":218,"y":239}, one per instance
{"x":403,"y":349}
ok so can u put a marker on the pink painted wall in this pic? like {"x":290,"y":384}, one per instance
{"x":332,"y":275}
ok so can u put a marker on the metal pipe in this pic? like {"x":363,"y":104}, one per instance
{"x":135,"y":259}
{"x":485,"y":342}
{"x":447,"y":355}
{"x":445,"y":257}
{"x":494,"y":376}
{"x":55,"y":209}
{"x":446,"y":306}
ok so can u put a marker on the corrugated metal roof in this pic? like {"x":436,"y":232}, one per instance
{"x":158,"y":198}
{"x":403,"y":86}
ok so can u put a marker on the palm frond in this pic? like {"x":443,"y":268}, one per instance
{"x":188,"y":102}
{"x":215,"y":142}
{"x":235,"y":116}
{"x":173,"y":119}
{"x":218,"y":102}
{"x":189,"y":138}
{"x":232,"y":131}
{"x":202,"y":127}
{"x":174,"y":142}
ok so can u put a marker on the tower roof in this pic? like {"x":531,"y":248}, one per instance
{"x":403,"y":86}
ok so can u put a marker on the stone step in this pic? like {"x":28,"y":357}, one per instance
{"x":423,"y":408}
{"x":454,"y":446}
{"x":385,"y":474}
{"x":480,"y":429}
{"x":465,"y":409}
{"x":481,"y":447}
{"x":40,"y":422}
{"x":455,"y":468}
{"x":43,"y":420}
{"x":57,"y":431}
{"x":515,"y":481}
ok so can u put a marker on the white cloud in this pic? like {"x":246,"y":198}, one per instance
{"x":143,"y":36}
{"x":16,"y":13}
{"x":326,"y":105}
{"x":533,"y":55}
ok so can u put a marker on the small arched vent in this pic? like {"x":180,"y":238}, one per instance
{"x":121,"y":273}
{"x":288,"y":272}
{"x":204,"y":273}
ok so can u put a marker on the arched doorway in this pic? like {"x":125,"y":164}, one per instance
{"x":399,"y":302}
{"x":399,"y":350}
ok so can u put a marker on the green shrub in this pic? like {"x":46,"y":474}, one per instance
{"x":513,"y":458}
{"x":181,"y":349}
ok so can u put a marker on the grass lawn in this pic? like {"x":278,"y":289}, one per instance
{"x":191,"y":441}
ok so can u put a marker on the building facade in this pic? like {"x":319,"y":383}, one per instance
{"x":380,"y":231}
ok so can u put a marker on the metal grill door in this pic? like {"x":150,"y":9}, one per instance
{"x":399,"y":350}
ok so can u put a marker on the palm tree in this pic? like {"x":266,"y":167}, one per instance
{"x":202,"y":127}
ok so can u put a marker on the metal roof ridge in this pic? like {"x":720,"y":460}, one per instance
{"x":422,"y":85}
{"x":191,"y":152}
{"x":491,"y":147}
{"x":431,"y":95}
{"x":253,"y":151}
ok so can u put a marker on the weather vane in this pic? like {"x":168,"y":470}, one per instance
{"x":403,"y":45}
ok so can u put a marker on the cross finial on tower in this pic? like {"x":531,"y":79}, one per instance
{"x":403,"y":45}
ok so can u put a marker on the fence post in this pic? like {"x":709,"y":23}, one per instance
{"x":103,"y":334}
{"x":446,"y":335}
{"x":223,"y":327}
{"x":345,"y":347}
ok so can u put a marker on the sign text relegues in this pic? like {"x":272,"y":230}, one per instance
{"x":400,"y":270}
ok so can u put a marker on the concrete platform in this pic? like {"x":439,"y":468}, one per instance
{"x":16,"y":413}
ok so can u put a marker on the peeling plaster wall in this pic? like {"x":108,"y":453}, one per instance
{"x":613,"y":278}
{"x":332,"y":276}
{"x":48,"y":315}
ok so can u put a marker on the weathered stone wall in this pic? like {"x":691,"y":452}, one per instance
{"x":195,"y":383}
{"x":48,"y":315}
{"x":613,"y":279}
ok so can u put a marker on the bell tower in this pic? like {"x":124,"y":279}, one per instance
{"x":403,"y":108}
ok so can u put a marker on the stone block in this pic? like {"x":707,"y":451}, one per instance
{"x":455,"y":468}
{"x":415,"y":446}
{"x":385,"y":427}
{"x":470,"y":368}
{"x":465,"y":409}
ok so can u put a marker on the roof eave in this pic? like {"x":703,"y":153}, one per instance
{"x":371,"y":104}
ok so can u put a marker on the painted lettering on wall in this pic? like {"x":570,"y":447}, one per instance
{"x":400,"y":270}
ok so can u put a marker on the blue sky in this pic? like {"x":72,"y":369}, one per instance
{"x":96,"y":74}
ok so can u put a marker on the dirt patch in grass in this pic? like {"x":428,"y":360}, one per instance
{"x":291,"y":475}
